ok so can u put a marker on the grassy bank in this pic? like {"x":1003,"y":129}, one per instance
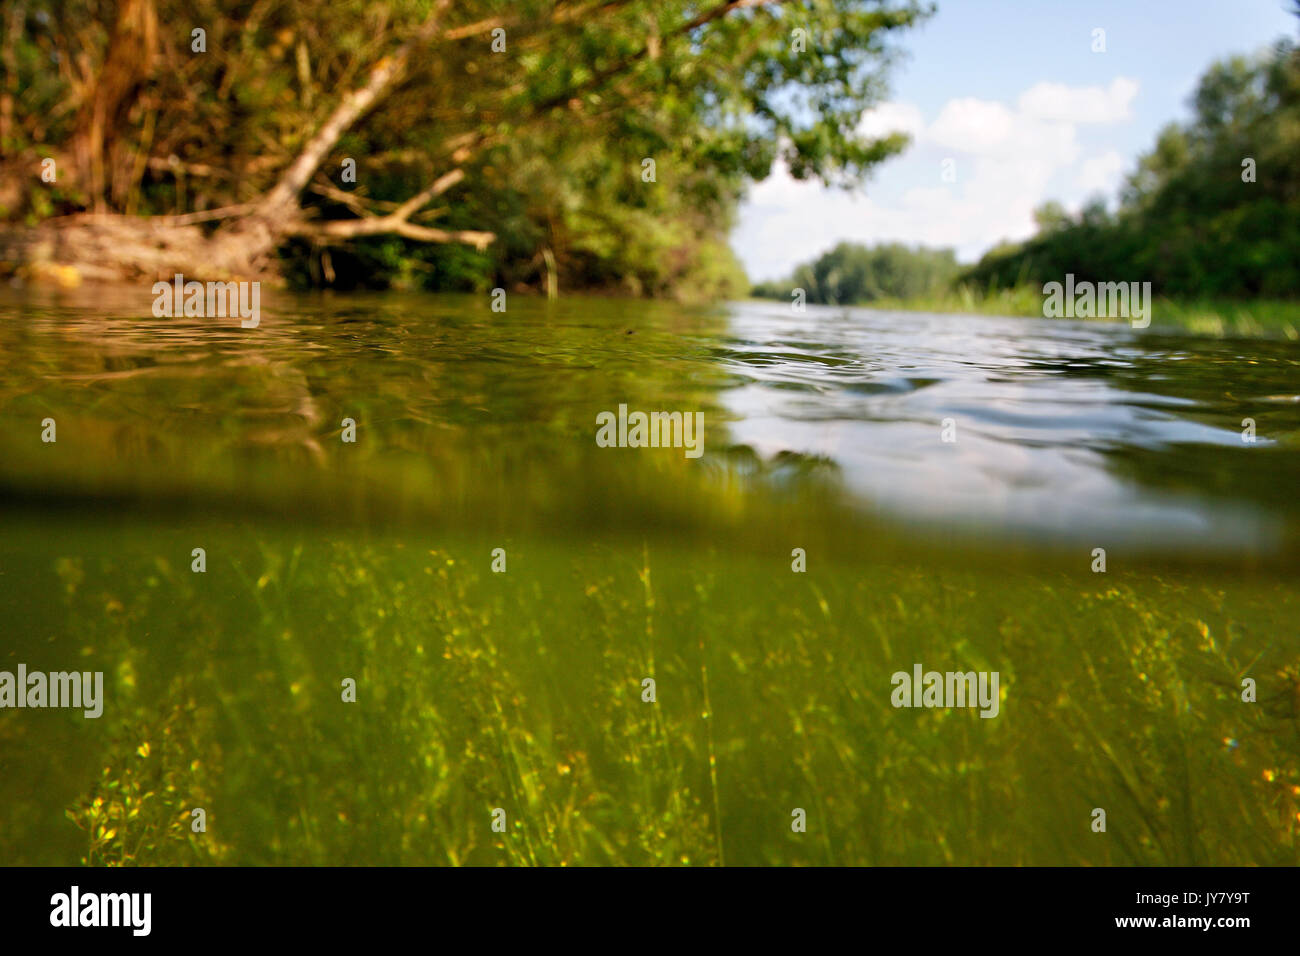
{"x":1207,"y":317}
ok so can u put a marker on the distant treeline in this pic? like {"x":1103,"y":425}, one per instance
{"x":853,"y":273}
{"x":1212,"y":212}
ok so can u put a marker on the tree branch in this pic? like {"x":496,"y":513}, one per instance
{"x":396,"y":222}
{"x":385,"y":74}
{"x":388,"y":225}
{"x":465,"y":145}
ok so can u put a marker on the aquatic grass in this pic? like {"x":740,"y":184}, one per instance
{"x":523,"y":691}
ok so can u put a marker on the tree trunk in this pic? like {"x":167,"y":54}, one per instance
{"x":121,"y":248}
{"x":129,"y":249}
{"x":95,"y":149}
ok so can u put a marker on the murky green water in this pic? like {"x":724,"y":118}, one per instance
{"x":478,"y":689}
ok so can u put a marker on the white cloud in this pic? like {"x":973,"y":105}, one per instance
{"x":1102,"y":174}
{"x":889,"y":118}
{"x":1008,"y":160}
{"x":1056,"y":102}
{"x":975,"y":126}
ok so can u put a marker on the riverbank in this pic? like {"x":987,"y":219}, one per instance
{"x":1261,"y":317}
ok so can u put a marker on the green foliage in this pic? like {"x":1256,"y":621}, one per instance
{"x":1188,"y":220}
{"x":559,"y":123}
{"x":140,"y":809}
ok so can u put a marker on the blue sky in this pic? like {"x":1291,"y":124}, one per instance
{"x":1011,"y":95}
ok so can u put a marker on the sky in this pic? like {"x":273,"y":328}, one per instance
{"x":1008,"y":106}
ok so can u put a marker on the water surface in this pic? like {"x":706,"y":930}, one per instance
{"x":1063,"y":431}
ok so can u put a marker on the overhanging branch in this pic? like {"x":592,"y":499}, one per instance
{"x":398,"y":221}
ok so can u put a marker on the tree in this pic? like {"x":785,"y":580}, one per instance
{"x":233,"y":145}
{"x":1051,"y":216}
{"x":1213,"y":210}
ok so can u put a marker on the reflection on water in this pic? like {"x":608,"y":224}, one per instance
{"x":1064,"y":431}
{"x":1062,"y":428}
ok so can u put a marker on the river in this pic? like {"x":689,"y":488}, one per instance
{"x":407,"y":492}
